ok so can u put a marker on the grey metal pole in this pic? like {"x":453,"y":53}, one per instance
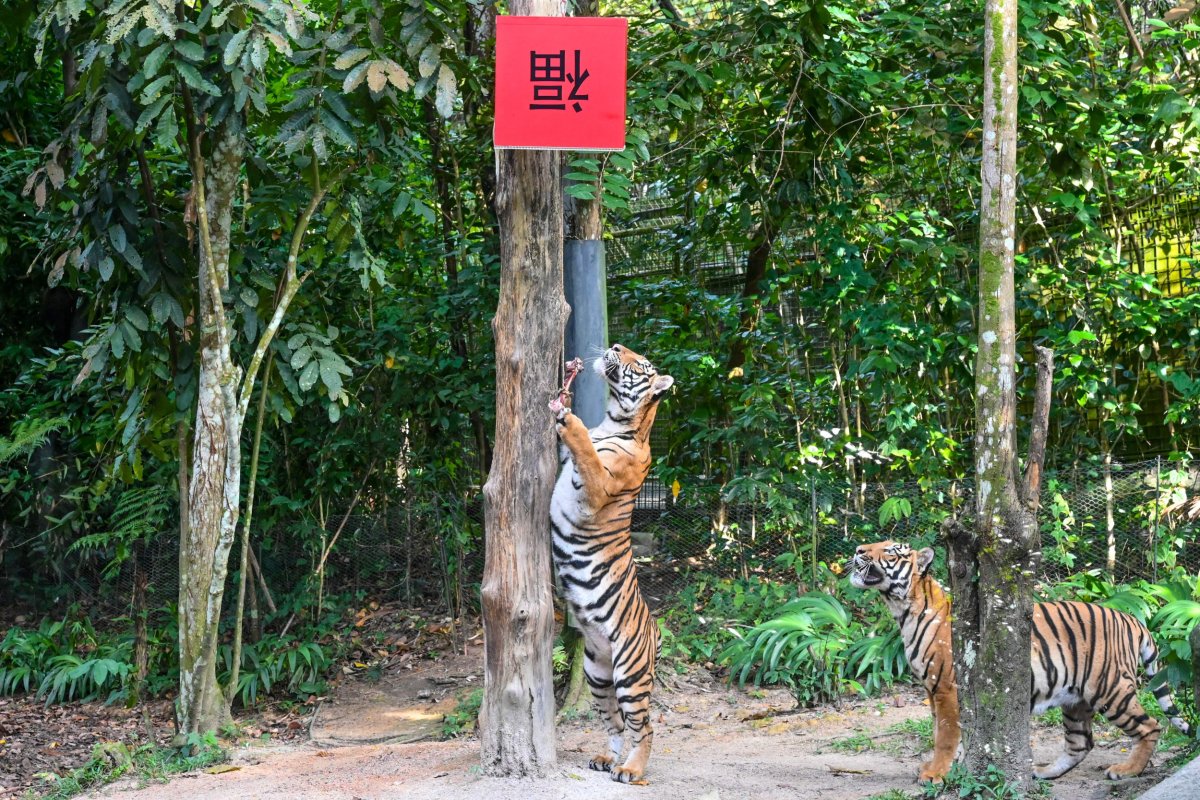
{"x":585,"y":285}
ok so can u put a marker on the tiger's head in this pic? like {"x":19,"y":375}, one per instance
{"x":888,"y":567}
{"x":634,"y":384}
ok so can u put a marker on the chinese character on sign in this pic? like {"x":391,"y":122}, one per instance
{"x":552,"y":68}
{"x":574,"y":65}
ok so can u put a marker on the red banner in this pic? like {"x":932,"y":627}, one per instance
{"x":560,"y":83}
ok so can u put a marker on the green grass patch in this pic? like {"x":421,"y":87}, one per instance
{"x":921,"y":730}
{"x":857,"y":742}
{"x":111,"y":761}
{"x":461,"y":721}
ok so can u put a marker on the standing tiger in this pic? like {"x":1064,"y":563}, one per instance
{"x":1084,"y":657}
{"x":590,"y":514}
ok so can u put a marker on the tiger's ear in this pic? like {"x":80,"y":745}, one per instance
{"x":661,"y":384}
{"x":925,"y":560}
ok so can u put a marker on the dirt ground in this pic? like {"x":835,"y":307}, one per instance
{"x":711,"y":742}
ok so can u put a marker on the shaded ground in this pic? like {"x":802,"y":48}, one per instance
{"x":711,"y":742}
{"x":38,"y":741}
{"x":36,"y":738}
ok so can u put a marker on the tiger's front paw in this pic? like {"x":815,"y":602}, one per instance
{"x":559,"y":408}
{"x":601,"y":763}
{"x":626,"y":775}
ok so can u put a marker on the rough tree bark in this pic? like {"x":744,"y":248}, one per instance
{"x":517,"y":714}
{"x":993,"y":563}
{"x":223,"y":398}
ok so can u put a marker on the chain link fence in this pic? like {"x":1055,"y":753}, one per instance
{"x":1125,"y":521}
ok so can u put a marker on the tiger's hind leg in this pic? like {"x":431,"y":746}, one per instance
{"x":597,"y":670}
{"x":1128,"y":715}
{"x":1077,"y":743}
{"x":633,"y":685}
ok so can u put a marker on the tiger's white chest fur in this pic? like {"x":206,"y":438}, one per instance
{"x":588,"y":551}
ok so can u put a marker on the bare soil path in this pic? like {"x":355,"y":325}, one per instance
{"x":711,"y":742}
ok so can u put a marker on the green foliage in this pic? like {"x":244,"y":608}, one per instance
{"x":65,"y":660}
{"x":111,"y":761}
{"x":461,"y":721}
{"x":276,"y":664}
{"x":701,"y":621}
{"x":920,"y":729}
{"x":70,"y":660}
{"x":856,"y":742}
{"x":815,"y":647}
{"x":993,"y":784}
{"x":140,"y":514}
{"x":892,"y":794}
{"x":27,"y":436}
{"x":894,"y":508}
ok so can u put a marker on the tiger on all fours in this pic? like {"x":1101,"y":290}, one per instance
{"x":1085,"y":660}
{"x":590,"y":515}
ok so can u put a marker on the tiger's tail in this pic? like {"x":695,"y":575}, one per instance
{"x":1162,"y":692}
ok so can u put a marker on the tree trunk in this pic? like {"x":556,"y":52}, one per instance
{"x":215,"y":488}
{"x":517,"y":714}
{"x":993,"y":566}
{"x":757,"y":260}
{"x":141,"y":637}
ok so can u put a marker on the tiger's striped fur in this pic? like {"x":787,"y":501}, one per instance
{"x":1084,"y":657}
{"x":590,"y":514}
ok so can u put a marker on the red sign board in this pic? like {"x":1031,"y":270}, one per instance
{"x":560,"y":83}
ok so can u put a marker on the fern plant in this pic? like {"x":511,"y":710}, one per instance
{"x":28,"y":435}
{"x":816,"y":648}
{"x":139,"y":514}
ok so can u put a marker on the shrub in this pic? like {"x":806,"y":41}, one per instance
{"x":64,"y":660}
{"x":819,"y":650}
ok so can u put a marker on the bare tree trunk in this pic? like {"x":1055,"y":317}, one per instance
{"x":1110,"y":523}
{"x":141,"y":638}
{"x":223,"y":398}
{"x":215,"y":486}
{"x":517,"y":714}
{"x":993,"y":566}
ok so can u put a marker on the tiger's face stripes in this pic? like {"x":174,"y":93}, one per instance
{"x":590,"y":513}
{"x":634,"y":385}
{"x":1084,"y":659}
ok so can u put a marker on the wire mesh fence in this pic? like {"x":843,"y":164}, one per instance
{"x":1124,"y":521}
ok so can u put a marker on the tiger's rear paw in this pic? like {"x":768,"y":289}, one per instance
{"x":601,"y":763}
{"x":626,"y":775}
{"x":1119,"y":772}
{"x":931,"y":772}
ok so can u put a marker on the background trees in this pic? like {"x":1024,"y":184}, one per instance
{"x":793,"y":231}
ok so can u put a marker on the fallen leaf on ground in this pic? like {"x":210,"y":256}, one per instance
{"x":220,"y":768}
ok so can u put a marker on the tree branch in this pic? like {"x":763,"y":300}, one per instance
{"x":244,"y":564}
{"x":1039,"y":427}
{"x":345,"y":518}
{"x":289,"y":291}
{"x":1129,"y":30}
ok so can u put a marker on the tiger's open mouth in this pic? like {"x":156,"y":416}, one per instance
{"x":869,"y":575}
{"x":612,"y":366}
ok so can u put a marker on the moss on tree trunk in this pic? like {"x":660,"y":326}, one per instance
{"x":993,"y":562}
{"x":215,"y":485}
